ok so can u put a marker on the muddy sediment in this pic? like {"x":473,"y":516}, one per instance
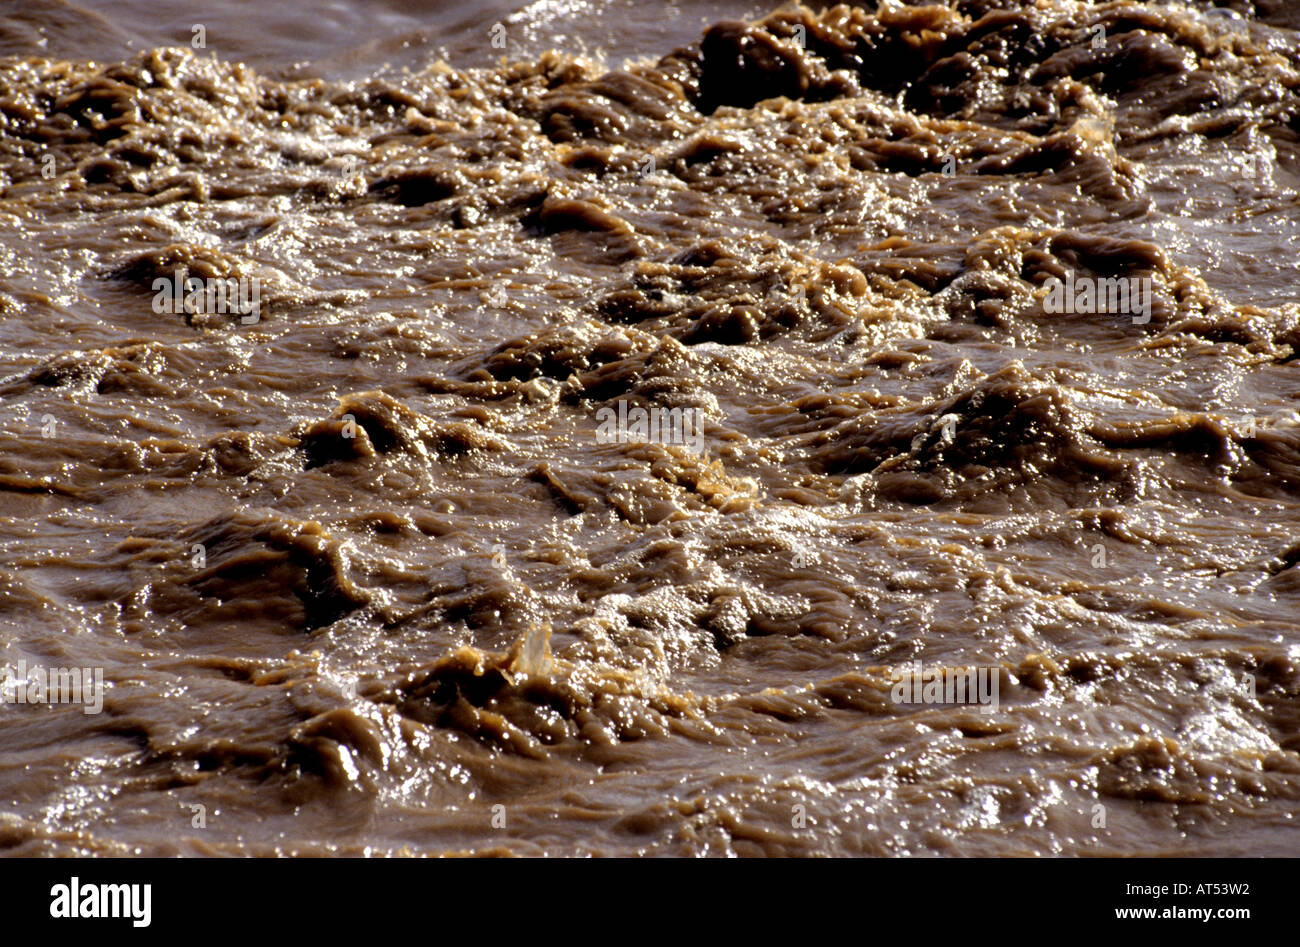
{"x":365,"y":577}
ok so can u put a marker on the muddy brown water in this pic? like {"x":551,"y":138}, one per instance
{"x":364,"y":575}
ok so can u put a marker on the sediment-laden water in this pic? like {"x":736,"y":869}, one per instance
{"x":500,"y":449}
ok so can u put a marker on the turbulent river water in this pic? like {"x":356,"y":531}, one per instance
{"x":593,"y":427}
